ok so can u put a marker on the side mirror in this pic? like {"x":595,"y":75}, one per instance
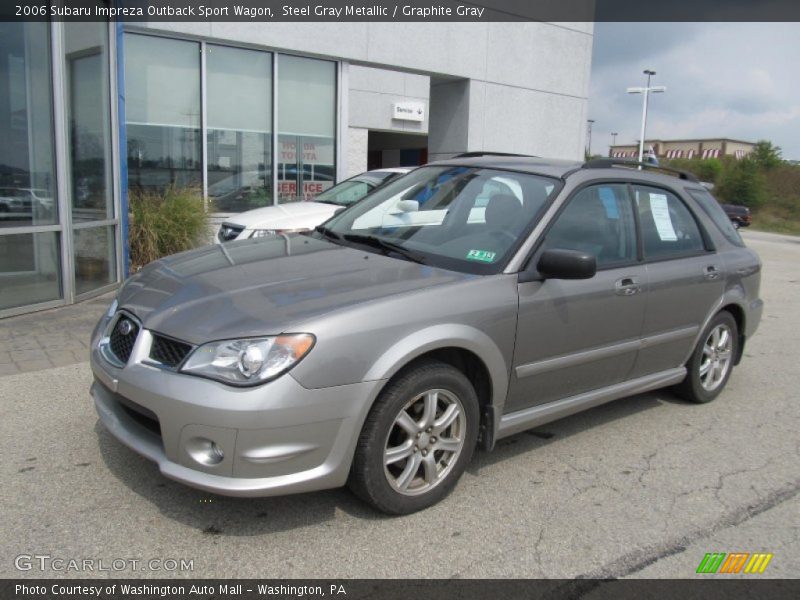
{"x":566,"y":264}
{"x":407,"y":206}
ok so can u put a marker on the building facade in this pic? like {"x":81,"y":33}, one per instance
{"x":697,"y":148}
{"x":249,"y":115}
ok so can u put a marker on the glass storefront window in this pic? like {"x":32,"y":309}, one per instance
{"x":30,"y":263}
{"x":88,"y":118}
{"x":306,"y":127}
{"x":88,"y":106}
{"x":163,"y":122}
{"x":30,"y":268}
{"x":162,"y":112}
{"x":239,"y":138}
{"x":27,"y":177}
{"x":95,"y":258}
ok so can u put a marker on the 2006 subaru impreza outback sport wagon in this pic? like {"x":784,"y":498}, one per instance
{"x":464,"y":302}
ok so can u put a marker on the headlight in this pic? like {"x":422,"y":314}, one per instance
{"x":249,"y":361}
{"x":259,"y":233}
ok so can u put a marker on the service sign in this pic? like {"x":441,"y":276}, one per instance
{"x":408,"y":111}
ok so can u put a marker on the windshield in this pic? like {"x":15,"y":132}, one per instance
{"x":354,"y":189}
{"x":462,"y":218}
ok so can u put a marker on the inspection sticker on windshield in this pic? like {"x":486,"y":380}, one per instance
{"x":481,"y":255}
{"x":660,"y":211}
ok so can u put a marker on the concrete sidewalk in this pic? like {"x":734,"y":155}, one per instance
{"x":50,"y":338}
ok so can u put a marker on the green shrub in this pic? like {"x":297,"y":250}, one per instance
{"x":163,"y":223}
{"x":767,"y":155}
{"x":742,"y":183}
{"x":705,"y":169}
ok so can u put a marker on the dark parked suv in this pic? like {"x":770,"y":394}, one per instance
{"x":739,"y":215}
{"x":464,"y":302}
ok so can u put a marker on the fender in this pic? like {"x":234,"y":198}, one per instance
{"x":733,"y":295}
{"x":446,"y":336}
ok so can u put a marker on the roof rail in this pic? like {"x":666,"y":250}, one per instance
{"x":480,"y":153}
{"x":605,"y":163}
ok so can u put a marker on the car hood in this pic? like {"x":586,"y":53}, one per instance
{"x":265,"y":286}
{"x":293,"y":215}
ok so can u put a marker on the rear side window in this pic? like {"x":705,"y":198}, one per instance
{"x":668,"y":228}
{"x":712,"y":208}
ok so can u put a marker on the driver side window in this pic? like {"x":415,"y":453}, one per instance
{"x":597,"y":220}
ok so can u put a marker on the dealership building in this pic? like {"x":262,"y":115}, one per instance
{"x":252,"y":114}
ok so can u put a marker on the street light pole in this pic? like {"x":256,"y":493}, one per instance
{"x":614,"y":135}
{"x":590,"y":122}
{"x":646,"y":91}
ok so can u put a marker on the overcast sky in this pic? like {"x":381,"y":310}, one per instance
{"x":735,"y":80}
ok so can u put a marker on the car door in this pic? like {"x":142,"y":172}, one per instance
{"x":575,"y":336}
{"x":685,"y":276}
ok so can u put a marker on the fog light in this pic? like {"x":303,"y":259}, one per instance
{"x":205,"y":451}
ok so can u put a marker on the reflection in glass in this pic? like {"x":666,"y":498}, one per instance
{"x":95,"y":264}
{"x":88,"y":107}
{"x":30,"y":269}
{"x":162,"y":112}
{"x":27,"y":181}
{"x":307,"y":126}
{"x":239,"y":112}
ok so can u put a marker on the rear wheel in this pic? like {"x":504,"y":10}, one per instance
{"x":712,"y":361}
{"x":417,"y":440}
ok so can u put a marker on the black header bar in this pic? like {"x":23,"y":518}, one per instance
{"x":267,"y":11}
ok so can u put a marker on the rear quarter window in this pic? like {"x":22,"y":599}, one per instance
{"x":715,"y":212}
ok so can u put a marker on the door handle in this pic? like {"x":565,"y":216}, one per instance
{"x":712,"y":272}
{"x":627,"y":286}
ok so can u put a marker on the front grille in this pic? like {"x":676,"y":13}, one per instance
{"x":229,"y":232}
{"x":167,"y":351}
{"x":123,"y":337}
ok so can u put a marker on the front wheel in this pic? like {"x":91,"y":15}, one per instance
{"x":712,"y":360}
{"x":417,"y":440}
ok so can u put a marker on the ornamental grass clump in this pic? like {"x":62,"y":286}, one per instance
{"x":165,"y":222}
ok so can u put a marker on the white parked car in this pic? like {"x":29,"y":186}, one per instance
{"x":304,"y":216}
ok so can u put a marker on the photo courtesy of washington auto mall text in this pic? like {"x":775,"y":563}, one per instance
{"x":399,"y":299}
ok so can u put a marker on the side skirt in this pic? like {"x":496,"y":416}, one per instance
{"x":552,"y":411}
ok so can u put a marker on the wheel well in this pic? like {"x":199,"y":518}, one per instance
{"x":473,"y":369}
{"x":738,"y":315}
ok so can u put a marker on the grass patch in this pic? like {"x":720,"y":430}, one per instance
{"x":164,"y":223}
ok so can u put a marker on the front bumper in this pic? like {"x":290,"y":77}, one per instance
{"x":274,"y":439}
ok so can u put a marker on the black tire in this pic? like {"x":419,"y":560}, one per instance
{"x":693,"y":388}
{"x":370,"y":479}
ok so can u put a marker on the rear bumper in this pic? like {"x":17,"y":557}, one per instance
{"x":753,"y":317}
{"x":276,"y":439}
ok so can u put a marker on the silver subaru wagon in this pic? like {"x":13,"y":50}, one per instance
{"x":464,"y":302}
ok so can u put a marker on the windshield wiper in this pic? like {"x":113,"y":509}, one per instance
{"x":328,"y":233}
{"x":386,"y":246}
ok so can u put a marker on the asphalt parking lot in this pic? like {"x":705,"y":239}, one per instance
{"x":643,"y":487}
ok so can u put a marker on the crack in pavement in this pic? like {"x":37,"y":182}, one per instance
{"x":636,"y":561}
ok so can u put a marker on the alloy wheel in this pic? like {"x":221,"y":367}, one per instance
{"x":424,"y":442}
{"x":717,"y":357}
